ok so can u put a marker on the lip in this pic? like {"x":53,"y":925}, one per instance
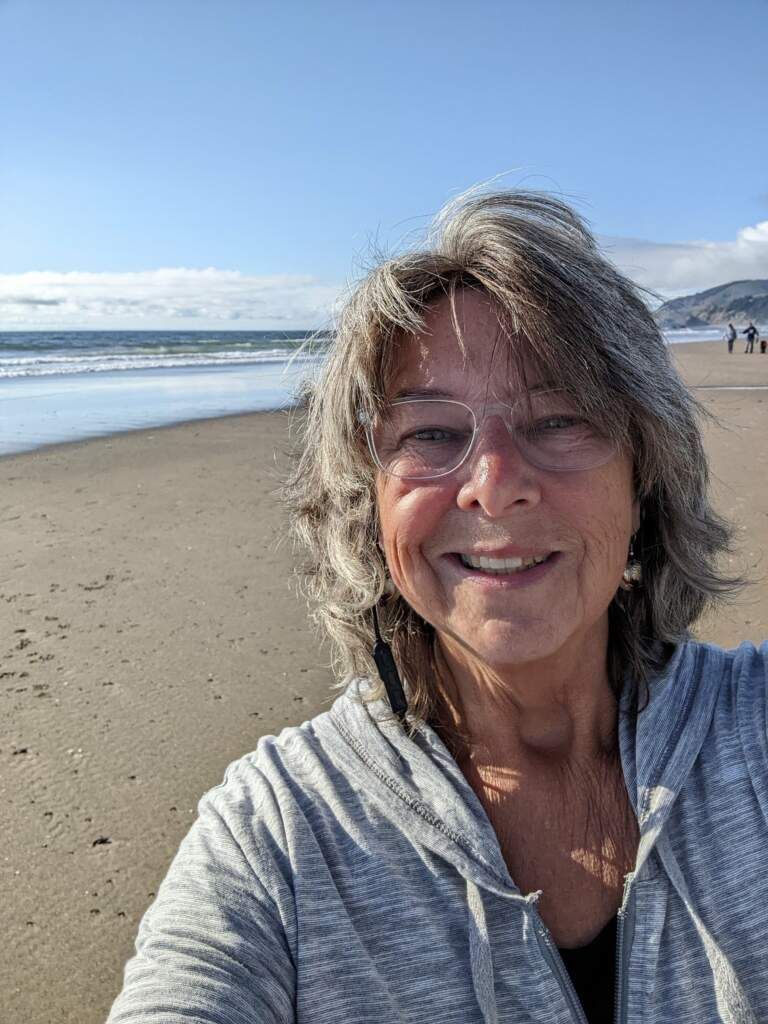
{"x":496,"y":581}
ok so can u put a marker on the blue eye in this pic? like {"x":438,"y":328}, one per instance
{"x":559,"y":423}
{"x":433,"y":434}
{"x":553,"y":425}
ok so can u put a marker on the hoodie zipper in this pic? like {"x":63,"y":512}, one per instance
{"x":625,"y":920}
{"x":558,"y":969}
{"x":625,"y":924}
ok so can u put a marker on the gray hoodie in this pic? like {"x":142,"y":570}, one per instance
{"x":346,"y":872}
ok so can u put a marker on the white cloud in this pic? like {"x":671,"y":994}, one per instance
{"x":175,"y":298}
{"x":210,"y":299}
{"x":680,"y":268}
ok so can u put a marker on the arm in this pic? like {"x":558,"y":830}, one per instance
{"x":213,"y":947}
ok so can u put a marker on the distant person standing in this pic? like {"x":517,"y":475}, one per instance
{"x":731,"y":336}
{"x":751,"y":333}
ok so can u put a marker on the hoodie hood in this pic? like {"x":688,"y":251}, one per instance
{"x":660,"y":744}
{"x":418,"y":782}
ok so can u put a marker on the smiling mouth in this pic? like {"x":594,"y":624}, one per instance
{"x":502,"y":566}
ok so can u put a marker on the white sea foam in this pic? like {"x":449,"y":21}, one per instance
{"x":103,"y":362}
{"x":691,"y":334}
{"x":62,"y":360}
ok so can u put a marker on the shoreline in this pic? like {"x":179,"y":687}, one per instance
{"x":38,"y":412}
{"x":77,"y":442}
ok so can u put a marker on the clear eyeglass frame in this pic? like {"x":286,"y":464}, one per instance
{"x":608,"y":449}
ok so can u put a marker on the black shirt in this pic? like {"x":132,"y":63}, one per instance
{"x":593,"y":972}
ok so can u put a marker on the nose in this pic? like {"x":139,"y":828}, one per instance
{"x":497,"y":477}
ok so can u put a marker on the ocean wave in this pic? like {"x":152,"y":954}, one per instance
{"x":96,"y":340}
{"x":36,"y":355}
{"x":115,"y":362}
{"x":691,"y":334}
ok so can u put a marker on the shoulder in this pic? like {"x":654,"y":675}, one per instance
{"x":240,"y":842}
{"x":221,"y":939}
{"x":707,"y":707}
{"x":303,"y":763}
{"x":744,"y":667}
{"x":733,"y":686}
{"x":259,"y":786}
{"x":240,"y":829}
{"x":743,"y":678}
{"x":708,"y":664}
{"x":296,"y":783}
{"x":712,"y":690}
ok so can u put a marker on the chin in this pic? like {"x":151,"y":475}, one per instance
{"x":506,"y":648}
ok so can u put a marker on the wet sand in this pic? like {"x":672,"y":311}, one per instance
{"x":151,"y":634}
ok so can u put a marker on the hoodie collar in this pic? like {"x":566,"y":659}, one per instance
{"x":415,"y":777}
{"x":418,"y":779}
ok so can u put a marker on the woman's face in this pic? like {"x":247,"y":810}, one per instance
{"x":499,"y":506}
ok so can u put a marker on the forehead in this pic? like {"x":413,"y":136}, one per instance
{"x":479,"y":358}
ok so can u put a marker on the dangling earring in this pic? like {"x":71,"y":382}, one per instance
{"x":633,"y":572}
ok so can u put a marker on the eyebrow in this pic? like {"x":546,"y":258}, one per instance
{"x":422,"y":393}
{"x":427,"y":392}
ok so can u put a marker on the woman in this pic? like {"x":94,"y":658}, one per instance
{"x":504,"y":495}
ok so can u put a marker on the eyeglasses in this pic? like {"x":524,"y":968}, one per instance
{"x":425,"y":438}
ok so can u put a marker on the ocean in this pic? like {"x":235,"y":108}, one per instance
{"x":71,"y":385}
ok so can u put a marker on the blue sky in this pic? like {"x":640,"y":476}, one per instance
{"x":251,"y":150}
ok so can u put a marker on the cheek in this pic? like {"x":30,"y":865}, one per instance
{"x":409,"y":518}
{"x":606,"y":516}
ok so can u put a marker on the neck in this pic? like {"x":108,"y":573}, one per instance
{"x":556,"y":712}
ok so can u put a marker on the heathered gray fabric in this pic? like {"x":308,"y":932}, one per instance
{"x":347,"y":873}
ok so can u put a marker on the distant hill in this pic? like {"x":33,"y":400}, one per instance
{"x":739,"y":301}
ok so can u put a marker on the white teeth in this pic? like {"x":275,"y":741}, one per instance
{"x":501,"y":565}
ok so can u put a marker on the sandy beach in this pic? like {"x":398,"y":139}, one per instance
{"x":151,"y":633}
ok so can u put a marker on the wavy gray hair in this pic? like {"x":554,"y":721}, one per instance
{"x":591,"y":333}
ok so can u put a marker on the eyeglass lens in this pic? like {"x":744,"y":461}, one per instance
{"x":424,"y":438}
